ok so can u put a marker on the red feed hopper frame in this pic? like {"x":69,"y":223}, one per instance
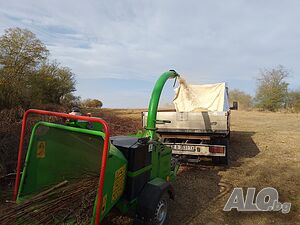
{"x":67,"y":116}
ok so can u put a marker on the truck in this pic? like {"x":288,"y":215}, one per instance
{"x":199,"y":126}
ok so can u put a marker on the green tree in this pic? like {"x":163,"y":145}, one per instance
{"x":245,"y":100}
{"x":20,"y":54}
{"x":93,"y":103}
{"x":272,"y":89}
{"x":21,"y":51}
{"x":71,"y":100}
{"x":51,"y":83}
{"x":294,"y":100}
{"x":27,"y":78}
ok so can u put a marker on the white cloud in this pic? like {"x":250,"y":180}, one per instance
{"x":208,"y":41}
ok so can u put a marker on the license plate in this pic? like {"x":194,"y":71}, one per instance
{"x":190,"y":148}
{"x":193,"y":149}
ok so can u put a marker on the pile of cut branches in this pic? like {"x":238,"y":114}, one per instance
{"x":67,"y":202}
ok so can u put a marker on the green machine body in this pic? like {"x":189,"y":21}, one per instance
{"x":138,"y":168}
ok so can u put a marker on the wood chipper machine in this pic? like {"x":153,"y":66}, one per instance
{"x":134,"y":172}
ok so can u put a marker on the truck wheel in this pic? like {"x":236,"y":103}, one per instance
{"x":222,"y":160}
{"x":174,"y":162}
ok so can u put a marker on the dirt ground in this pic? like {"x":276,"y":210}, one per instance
{"x":264,"y":152}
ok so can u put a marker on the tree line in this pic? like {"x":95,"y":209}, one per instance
{"x":272,"y":92}
{"x":28,"y":78}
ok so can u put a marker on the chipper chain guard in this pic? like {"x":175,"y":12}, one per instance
{"x":68,"y":116}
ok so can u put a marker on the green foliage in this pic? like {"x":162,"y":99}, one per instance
{"x":92,"y":103}
{"x":294,"y":100}
{"x":245,"y":100}
{"x":27,"y":77}
{"x":21,"y":51}
{"x":70,"y":100}
{"x":272,"y":89}
{"x":20,"y":54}
{"x":51,"y":83}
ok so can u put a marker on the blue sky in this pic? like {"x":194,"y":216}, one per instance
{"x":117,"y":49}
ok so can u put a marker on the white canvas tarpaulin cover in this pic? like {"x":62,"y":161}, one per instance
{"x":197,"y":98}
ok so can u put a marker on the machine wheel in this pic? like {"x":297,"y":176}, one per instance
{"x":222,"y":160}
{"x":161,"y":211}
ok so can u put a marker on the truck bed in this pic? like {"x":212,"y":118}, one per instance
{"x":191,"y":122}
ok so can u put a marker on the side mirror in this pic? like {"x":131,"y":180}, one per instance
{"x":235,"y":105}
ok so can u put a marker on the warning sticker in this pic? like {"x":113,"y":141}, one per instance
{"x":41,"y":149}
{"x":119,"y":183}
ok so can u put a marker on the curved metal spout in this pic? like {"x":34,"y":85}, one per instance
{"x":153,"y":104}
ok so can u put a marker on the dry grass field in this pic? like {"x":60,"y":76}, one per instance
{"x":264,"y":152}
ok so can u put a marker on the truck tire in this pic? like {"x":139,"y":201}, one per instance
{"x":222,"y":160}
{"x":174,"y":162}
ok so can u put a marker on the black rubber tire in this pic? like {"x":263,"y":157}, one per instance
{"x":164,"y":200}
{"x":155,"y":218}
{"x":222,"y":160}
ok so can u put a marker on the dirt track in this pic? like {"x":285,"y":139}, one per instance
{"x":264,"y":151}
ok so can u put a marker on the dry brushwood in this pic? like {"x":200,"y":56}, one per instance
{"x":67,"y":202}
